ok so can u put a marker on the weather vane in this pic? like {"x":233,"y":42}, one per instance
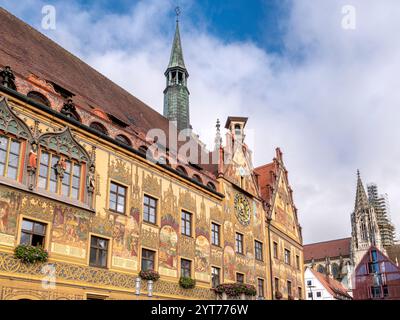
{"x":178,"y":12}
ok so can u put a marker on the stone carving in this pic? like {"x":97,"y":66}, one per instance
{"x":11,"y":123}
{"x":32,"y":166}
{"x":64,"y":143}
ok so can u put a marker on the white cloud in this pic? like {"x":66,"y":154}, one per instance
{"x":331,"y":102}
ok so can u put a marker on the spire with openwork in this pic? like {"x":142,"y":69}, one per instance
{"x":361,"y":195}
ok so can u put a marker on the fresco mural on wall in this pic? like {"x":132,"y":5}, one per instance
{"x":9,"y":207}
{"x":168,"y":251}
{"x":229,"y":264}
{"x":69,"y":231}
{"x":201,"y":260}
{"x":125,"y":240}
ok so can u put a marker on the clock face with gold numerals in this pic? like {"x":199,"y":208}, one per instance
{"x":242,"y":209}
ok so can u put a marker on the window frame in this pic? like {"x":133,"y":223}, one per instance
{"x":185,"y":269}
{"x":32,"y":232}
{"x":239,"y":243}
{"x":213,"y":275}
{"x":185,"y":222}
{"x":117,"y":196}
{"x":258,"y":248}
{"x":240,"y":275}
{"x":149,"y":206}
{"x":275,"y":249}
{"x":98,"y":250}
{"x":59,"y":183}
{"x":153,"y":261}
{"x":216,"y":232}
{"x":287,"y":257}
{"x":262,"y":286}
{"x":8,"y":152}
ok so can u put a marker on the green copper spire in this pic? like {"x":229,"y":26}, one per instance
{"x":176,"y":93}
{"x":176,"y":59}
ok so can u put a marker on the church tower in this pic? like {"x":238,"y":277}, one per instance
{"x":365,"y":231}
{"x":176,"y":93}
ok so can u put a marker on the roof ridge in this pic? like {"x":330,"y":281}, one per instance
{"x":78,"y":61}
{"x":310,"y":244}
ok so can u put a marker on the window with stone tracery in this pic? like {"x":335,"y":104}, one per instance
{"x":10,"y":150}
{"x":59,"y":175}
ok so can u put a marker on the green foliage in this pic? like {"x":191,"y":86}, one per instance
{"x":149,"y":275}
{"x":187,"y":282}
{"x":236,"y":289}
{"x":31,"y":254}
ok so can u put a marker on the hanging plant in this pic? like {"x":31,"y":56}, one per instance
{"x":31,"y":254}
{"x":236,"y":289}
{"x":149,"y":275}
{"x":187,"y":282}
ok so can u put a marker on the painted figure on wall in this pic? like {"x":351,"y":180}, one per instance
{"x":70,"y":227}
{"x":9,"y":205}
{"x":229,"y":263}
{"x":168,"y":247}
{"x":202,"y":254}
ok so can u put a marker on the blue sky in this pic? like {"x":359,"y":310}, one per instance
{"x":333,"y":111}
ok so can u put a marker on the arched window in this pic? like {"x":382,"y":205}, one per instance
{"x":335,"y":270}
{"x":99,"y":127}
{"x":38,"y":97}
{"x":197,"y":178}
{"x":321,"y":269}
{"x":181,"y":170}
{"x":123,"y":139}
{"x":211,"y":186}
{"x":237,"y":129}
{"x":61,"y":170}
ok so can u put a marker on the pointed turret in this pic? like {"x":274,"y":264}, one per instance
{"x":361,"y":195}
{"x":176,"y":59}
{"x":176,"y":93}
{"x":218,"y":138}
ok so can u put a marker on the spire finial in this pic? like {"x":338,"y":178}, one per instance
{"x":178,"y":13}
{"x":218,"y":138}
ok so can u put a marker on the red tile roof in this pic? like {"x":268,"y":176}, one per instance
{"x":28,"y":51}
{"x":266,"y":181}
{"x":335,"y":288}
{"x":332,"y":248}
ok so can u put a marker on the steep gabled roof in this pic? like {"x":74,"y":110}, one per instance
{"x":331,"y":248}
{"x":335,"y":288}
{"x":28,"y":51}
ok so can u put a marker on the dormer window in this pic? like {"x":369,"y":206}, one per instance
{"x":99,"y":127}
{"x":123,"y":139}
{"x":38,"y":97}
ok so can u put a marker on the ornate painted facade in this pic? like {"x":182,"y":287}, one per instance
{"x":79,"y":177}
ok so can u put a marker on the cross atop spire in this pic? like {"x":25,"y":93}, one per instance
{"x":361,"y":195}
